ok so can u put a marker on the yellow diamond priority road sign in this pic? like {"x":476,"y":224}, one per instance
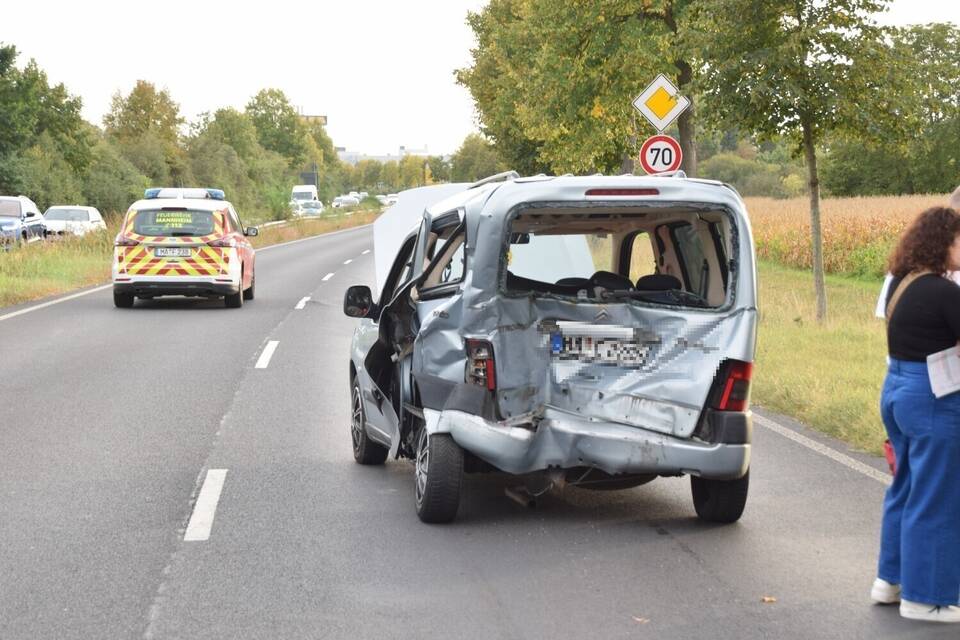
{"x":661,"y":103}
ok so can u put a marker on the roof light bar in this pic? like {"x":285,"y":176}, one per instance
{"x":155,"y":193}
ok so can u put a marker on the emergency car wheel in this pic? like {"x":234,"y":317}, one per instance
{"x":122,"y":300}
{"x":248,"y":293}
{"x":720,"y":501}
{"x":365,"y":450}
{"x":234,"y":300}
{"x":438,"y":473}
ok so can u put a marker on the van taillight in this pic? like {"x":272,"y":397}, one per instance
{"x":736,"y":388}
{"x":481,"y":367}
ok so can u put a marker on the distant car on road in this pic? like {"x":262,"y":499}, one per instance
{"x":73,"y":220}
{"x":20,"y":221}
{"x":344,"y":201}
{"x":596,"y":331}
{"x":186,"y":242}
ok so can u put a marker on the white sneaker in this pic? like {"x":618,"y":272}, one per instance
{"x":929,"y":612}
{"x":885,"y":593}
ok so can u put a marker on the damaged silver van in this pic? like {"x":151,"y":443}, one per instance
{"x":598,"y":331}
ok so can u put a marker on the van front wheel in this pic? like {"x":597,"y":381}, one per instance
{"x":720,"y":501}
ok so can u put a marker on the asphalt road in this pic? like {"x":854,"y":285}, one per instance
{"x":111,"y":419}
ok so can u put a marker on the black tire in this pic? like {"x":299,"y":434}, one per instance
{"x":122,"y":300}
{"x":234,"y":300}
{"x":437,"y":477}
{"x":248,"y":293}
{"x":720,"y":501}
{"x":365,"y":450}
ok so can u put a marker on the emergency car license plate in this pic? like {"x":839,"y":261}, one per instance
{"x":172,"y":252}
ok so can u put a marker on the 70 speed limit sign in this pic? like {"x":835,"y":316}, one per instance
{"x":660,"y":153}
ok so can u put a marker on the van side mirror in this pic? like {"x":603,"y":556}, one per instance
{"x":251,"y":231}
{"x":358,"y":301}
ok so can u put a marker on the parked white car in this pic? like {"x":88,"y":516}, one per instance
{"x":73,"y":220}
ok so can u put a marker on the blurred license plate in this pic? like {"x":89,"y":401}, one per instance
{"x":616,"y":351}
{"x":172,"y":252}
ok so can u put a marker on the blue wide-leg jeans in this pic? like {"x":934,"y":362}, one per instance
{"x":920,"y":535}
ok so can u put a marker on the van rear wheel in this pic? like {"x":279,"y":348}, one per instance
{"x":438,"y":474}
{"x":720,"y":501}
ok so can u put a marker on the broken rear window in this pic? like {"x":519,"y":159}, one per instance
{"x":673,"y":257}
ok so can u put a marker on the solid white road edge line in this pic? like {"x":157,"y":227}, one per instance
{"x":14,"y":314}
{"x":308,"y":238}
{"x":302,"y":303}
{"x":348,"y":261}
{"x":365,"y":252}
{"x":264,"y":358}
{"x":327,"y":277}
{"x":201,"y":521}
{"x":824,"y":450}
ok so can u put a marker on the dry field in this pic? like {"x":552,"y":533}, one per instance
{"x":858,"y":233}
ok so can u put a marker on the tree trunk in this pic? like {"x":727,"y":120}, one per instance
{"x":816,"y":234}
{"x":627,"y":163}
{"x":687,"y":122}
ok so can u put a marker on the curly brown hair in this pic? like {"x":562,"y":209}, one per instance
{"x":925,"y":245}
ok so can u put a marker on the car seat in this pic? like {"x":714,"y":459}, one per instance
{"x":658,"y":282}
{"x":611,"y":281}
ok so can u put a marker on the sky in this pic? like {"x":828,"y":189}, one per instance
{"x":380,"y":70}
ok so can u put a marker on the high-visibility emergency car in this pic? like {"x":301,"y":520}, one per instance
{"x":186,"y":242}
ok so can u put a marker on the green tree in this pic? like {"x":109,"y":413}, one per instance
{"x":47,"y":176}
{"x":475,"y":159}
{"x":146,"y":126}
{"x":30,"y":109}
{"x":553,"y":80}
{"x":278,"y":126}
{"x":390,"y":174}
{"x":800,"y":69}
{"x":440,"y":168}
{"x":145,"y":110}
{"x":112,"y":182}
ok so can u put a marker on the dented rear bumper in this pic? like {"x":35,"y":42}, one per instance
{"x":562,"y":441}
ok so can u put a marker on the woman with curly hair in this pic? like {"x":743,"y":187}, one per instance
{"x":920,"y":537}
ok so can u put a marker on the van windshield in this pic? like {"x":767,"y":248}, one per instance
{"x":302,"y":195}
{"x":676,"y":258}
{"x":9,"y":208}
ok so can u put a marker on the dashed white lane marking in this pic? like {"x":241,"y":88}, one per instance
{"x":198,"y":529}
{"x":302,"y":303}
{"x":365,"y":252}
{"x":348,"y":261}
{"x":327,"y":277}
{"x":824,"y":450}
{"x":36,"y":307}
{"x":264,"y":358}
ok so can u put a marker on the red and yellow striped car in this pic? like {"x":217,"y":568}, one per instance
{"x":183,"y":242}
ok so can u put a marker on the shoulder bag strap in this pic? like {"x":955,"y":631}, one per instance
{"x":906,"y":282}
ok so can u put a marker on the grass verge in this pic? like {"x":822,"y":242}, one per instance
{"x":49,"y":268}
{"x":828,"y":376}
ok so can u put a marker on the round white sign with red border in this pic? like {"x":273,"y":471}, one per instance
{"x":660,"y":153}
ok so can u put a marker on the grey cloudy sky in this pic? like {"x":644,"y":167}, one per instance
{"x":381,"y":70}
